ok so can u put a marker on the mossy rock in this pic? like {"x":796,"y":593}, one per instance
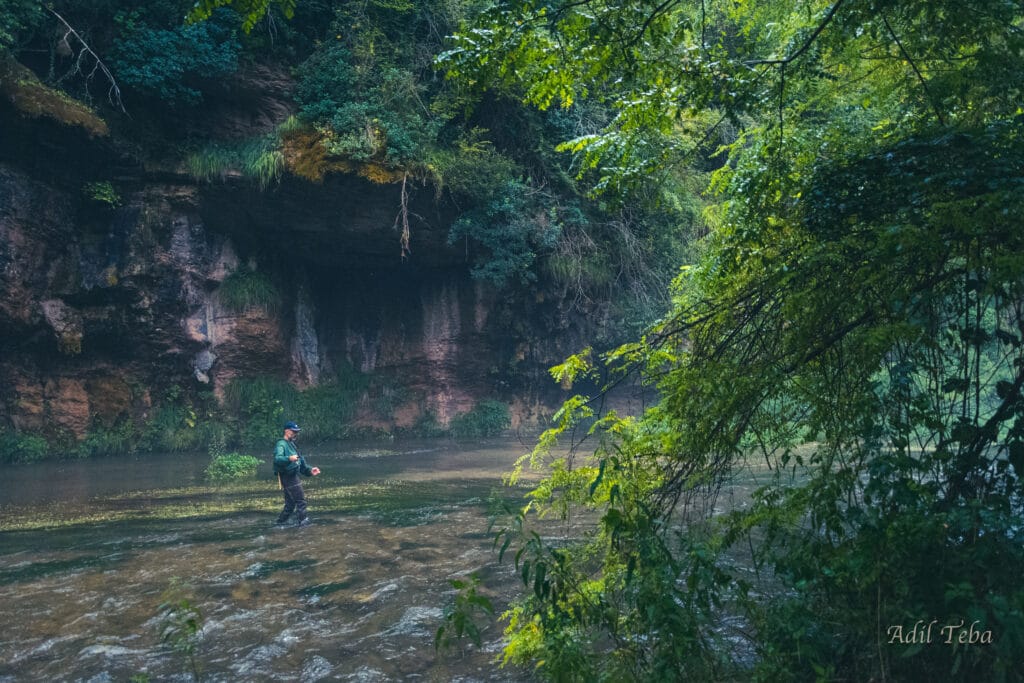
{"x":30,"y":97}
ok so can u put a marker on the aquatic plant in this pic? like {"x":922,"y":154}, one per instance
{"x":458,"y":621}
{"x":181,"y":624}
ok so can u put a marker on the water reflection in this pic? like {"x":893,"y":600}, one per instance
{"x":357,"y":596}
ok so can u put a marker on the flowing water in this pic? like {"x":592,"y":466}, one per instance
{"x":89,"y":549}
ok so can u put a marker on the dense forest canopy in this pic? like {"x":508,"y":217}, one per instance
{"x":852,"y":323}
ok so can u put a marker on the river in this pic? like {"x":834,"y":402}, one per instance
{"x":89,"y":549}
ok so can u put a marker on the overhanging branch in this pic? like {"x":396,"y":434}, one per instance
{"x":114,"y":92}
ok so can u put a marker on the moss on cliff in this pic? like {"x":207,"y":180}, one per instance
{"x":20,"y":87}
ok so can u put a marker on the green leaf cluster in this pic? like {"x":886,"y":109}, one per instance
{"x":172,"y":64}
{"x":514,"y":228}
{"x":180,"y":624}
{"x":16,"y":17}
{"x":458,"y":621}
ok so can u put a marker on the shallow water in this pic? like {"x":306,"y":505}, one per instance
{"x":88,"y":549}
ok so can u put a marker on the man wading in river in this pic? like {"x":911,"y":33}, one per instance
{"x":288,"y":465}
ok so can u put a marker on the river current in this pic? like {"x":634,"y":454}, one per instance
{"x":90,"y":549}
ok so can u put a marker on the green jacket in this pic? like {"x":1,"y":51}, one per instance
{"x":282,"y":465}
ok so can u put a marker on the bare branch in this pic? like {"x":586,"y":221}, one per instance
{"x":114,"y":92}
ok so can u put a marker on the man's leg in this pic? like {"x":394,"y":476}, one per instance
{"x":289,"y":506}
{"x":299,"y":498}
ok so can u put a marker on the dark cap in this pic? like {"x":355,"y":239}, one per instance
{"x":292,"y":426}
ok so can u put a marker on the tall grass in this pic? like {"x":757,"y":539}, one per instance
{"x":262,"y":161}
{"x":247,"y":288}
{"x":259,"y":159}
{"x":210,"y":163}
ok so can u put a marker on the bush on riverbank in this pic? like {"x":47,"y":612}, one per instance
{"x":251,"y":417}
{"x":23,"y":448}
{"x":231,"y":466}
{"x":487,"y":418}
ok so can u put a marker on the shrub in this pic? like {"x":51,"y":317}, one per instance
{"x":24,"y":448}
{"x":102,"y":192}
{"x":472,"y":167}
{"x":231,"y":466}
{"x":172,"y":63}
{"x":17,"y":16}
{"x":260,"y":404}
{"x":487,"y":418}
{"x":116,"y":440}
{"x":373,"y":114}
{"x":177,"y":424}
{"x":326,"y":411}
{"x":513,"y":228}
{"x":427,"y":426}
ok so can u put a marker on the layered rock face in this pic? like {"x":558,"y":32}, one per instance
{"x":102,"y":309}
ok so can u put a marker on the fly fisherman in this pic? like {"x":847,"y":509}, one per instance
{"x":288,"y":465}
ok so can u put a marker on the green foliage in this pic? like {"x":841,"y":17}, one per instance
{"x":263,"y":162}
{"x":259,"y":159}
{"x":427,"y":426}
{"x":260,"y":404}
{"x":487,"y":418}
{"x":370,"y":92}
{"x":231,"y":466}
{"x":119,"y":439}
{"x":178,"y":423}
{"x":250,"y":11}
{"x":180,"y":624}
{"x":102,"y":192}
{"x":853,"y":321}
{"x":371,"y":113}
{"x":23,"y":448}
{"x":211,"y":163}
{"x":17,"y":16}
{"x":172,"y":63}
{"x":458,"y":620}
{"x":246,"y":288}
{"x":326,"y":411}
{"x":513,"y":228}
{"x":472,"y":167}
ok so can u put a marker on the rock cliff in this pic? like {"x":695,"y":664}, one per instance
{"x":105,"y":304}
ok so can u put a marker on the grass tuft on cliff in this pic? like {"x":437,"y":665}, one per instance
{"x":245,"y":289}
